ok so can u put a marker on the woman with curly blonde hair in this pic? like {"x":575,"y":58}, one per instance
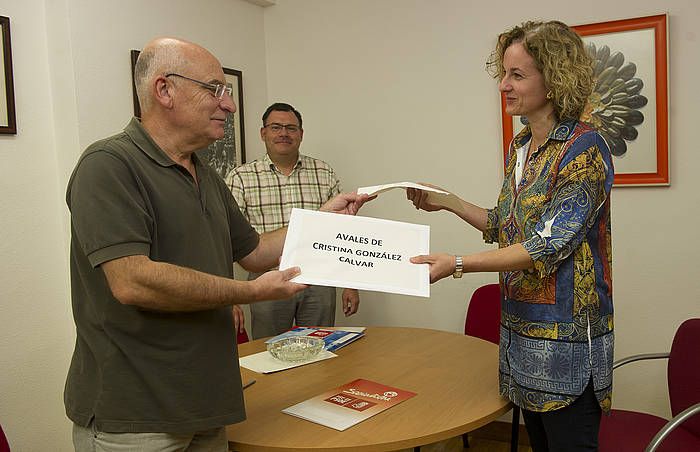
{"x":552,"y":225}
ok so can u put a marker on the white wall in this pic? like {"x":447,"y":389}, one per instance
{"x":73,"y":86}
{"x":396,"y":90}
{"x":36,"y":335}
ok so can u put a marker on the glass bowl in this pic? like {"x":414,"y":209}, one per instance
{"x":296,"y":349}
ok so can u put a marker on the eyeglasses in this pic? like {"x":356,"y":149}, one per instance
{"x":277,"y":128}
{"x":218,"y":89}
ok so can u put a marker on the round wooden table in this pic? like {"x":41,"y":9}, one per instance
{"x":454,"y":376}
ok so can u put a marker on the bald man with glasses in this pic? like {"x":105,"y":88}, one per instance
{"x":154,"y":235}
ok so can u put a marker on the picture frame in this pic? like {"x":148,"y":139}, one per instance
{"x":228,"y":152}
{"x":8,"y":121}
{"x":636,"y":123}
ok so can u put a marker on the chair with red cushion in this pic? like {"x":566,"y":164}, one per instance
{"x":4,"y":445}
{"x":242,"y":337}
{"x":624,"y":430}
{"x":484,"y":314}
{"x":484,"y":321}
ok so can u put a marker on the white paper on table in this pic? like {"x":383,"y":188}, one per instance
{"x":265,"y":363}
{"x":376,"y":189}
{"x":357,"y":252}
{"x":435,"y":196}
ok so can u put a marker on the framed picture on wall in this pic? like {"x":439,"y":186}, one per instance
{"x":8,"y":124}
{"x":228,"y":152}
{"x":629,"y":103}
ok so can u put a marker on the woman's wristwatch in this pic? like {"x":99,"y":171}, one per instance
{"x":459,"y":268}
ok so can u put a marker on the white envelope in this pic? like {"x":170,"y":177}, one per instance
{"x":357,"y":252}
{"x":264,"y":363}
{"x":376,"y":189}
{"x":435,"y":196}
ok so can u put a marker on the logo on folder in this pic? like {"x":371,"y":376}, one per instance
{"x":350,"y":402}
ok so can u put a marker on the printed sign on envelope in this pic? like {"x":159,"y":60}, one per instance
{"x":357,"y":252}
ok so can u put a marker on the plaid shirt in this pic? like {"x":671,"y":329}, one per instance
{"x":266,"y":196}
{"x":557,"y":319}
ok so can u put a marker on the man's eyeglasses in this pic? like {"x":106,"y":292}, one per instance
{"x":277,"y":128}
{"x":218,"y":89}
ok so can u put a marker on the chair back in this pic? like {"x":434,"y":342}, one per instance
{"x":4,"y":445}
{"x":242,"y":337}
{"x":684,"y":372}
{"x":484,"y":314}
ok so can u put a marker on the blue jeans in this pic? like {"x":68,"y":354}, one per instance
{"x":89,"y":439}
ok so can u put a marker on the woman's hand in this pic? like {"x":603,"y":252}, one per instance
{"x":441,"y":265}
{"x":419,"y":198}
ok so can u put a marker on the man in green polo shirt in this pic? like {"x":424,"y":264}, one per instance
{"x":154,"y":237}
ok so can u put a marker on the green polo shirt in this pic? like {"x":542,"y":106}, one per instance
{"x":136,"y":370}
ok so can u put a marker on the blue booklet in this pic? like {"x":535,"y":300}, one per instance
{"x":334,"y":338}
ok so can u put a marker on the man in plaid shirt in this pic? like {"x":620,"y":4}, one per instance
{"x":266,"y":191}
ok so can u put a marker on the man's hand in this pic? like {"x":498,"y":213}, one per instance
{"x":441,"y":265}
{"x":238,"y":319}
{"x":351,"y":301}
{"x":275,"y":285}
{"x":345,"y":203}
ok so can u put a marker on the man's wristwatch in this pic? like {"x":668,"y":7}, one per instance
{"x":458,"y":267}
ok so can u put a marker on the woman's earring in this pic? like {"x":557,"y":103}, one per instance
{"x":549,"y":95}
